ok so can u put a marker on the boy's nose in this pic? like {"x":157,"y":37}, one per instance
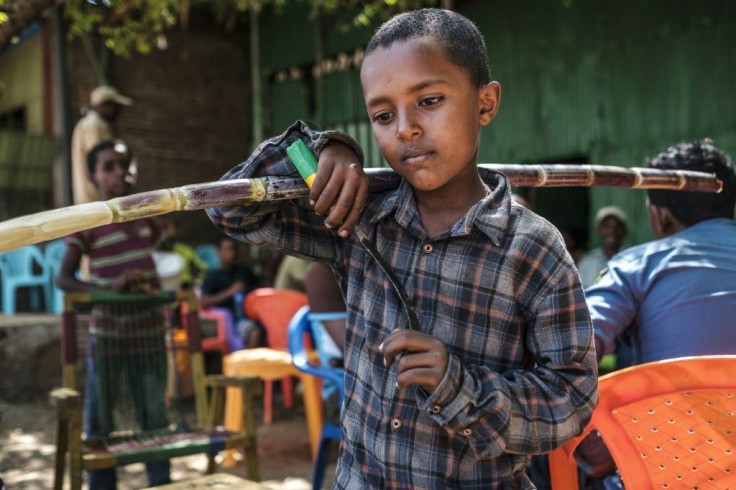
{"x":406,"y":126}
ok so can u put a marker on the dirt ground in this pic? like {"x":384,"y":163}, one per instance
{"x":27,"y":451}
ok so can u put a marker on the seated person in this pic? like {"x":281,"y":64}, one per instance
{"x":120,"y":259}
{"x":674,"y":296}
{"x":227,"y":286}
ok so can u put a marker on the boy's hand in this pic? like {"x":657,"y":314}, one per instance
{"x":340,"y":187}
{"x":421,"y":358}
{"x":133,"y":281}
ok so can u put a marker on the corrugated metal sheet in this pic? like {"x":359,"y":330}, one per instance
{"x":606,"y":81}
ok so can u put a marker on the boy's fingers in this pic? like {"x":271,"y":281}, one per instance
{"x":356,"y":210}
{"x":345,"y":203}
{"x":324,"y":189}
{"x":405,"y":340}
{"x":421,"y":376}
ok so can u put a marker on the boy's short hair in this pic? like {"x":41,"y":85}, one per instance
{"x":692,"y":207}
{"x":92,"y":154}
{"x":460,"y":38}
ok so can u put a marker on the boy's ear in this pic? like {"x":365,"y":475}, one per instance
{"x":489,"y":100}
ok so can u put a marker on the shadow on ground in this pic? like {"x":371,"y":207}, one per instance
{"x":27,"y":451}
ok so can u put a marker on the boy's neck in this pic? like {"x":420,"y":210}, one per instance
{"x":441,"y":210}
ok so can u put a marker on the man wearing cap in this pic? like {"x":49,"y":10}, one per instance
{"x":94,"y":127}
{"x":610,"y":226}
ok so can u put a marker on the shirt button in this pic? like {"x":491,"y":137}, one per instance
{"x":428,"y":248}
{"x":396,"y":424}
{"x":436,"y":409}
{"x":467,"y":432}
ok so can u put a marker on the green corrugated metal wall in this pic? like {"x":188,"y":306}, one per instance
{"x":605,"y":81}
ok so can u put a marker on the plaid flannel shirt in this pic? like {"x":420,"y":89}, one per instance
{"x":498,"y":288}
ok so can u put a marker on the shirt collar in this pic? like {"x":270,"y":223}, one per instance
{"x":490,"y":215}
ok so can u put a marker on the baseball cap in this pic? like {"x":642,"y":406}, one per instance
{"x":108,"y":94}
{"x":607,"y":211}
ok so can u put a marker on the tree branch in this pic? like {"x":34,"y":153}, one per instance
{"x":21,"y":14}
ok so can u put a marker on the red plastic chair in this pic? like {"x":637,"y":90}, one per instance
{"x":668,"y":424}
{"x":274,"y":309}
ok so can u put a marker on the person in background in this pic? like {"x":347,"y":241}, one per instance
{"x":95,"y":126}
{"x":291,"y":273}
{"x":611,"y":228}
{"x":674,"y":296}
{"x":120,"y":260}
{"x":227,"y":286}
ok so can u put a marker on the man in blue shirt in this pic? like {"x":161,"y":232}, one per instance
{"x":675,"y":296}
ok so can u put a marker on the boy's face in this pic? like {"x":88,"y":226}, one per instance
{"x":111,"y":170}
{"x":426,"y":114}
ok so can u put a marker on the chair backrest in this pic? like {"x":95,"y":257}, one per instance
{"x":305,"y":325}
{"x":53,"y":254}
{"x":141,"y":346}
{"x":18,"y":263}
{"x":274,"y":308}
{"x":667,"y":424}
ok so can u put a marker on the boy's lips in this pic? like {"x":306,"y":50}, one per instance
{"x":413,"y":157}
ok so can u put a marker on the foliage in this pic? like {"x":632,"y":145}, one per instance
{"x":124,"y":26}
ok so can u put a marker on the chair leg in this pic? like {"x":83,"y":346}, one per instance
{"x":318,"y":473}
{"x":62,"y":442}
{"x":268,"y":402}
{"x":8,"y":299}
{"x":287,"y":391}
{"x":35,"y":298}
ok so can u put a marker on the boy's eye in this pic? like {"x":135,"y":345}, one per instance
{"x":430,"y":101}
{"x":382,"y":117}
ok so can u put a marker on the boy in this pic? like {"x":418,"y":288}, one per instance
{"x":503,"y":366}
{"x":120,"y":260}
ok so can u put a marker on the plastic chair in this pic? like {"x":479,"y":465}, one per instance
{"x":227,"y":340}
{"x":274,"y":309}
{"x":17,"y":271}
{"x":667,"y":424}
{"x":53,"y":254}
{"x":208,"y":253}
{"x":306,"y":324}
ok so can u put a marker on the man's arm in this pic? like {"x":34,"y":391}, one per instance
{"x":612,"y":304}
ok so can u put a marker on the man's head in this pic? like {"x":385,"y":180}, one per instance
{"x":611,"y":228}
{"x":107,"y":101}
{"x":672,"y":211}
{"x":228,"y":251}
{"x":427,"y":91}
{"x":108,"y":163}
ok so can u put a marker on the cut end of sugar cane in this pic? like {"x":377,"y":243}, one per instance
{"x":304,"y":161}
{"x":49,"y":225}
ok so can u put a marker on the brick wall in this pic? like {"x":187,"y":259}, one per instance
{"x":191,"y":118}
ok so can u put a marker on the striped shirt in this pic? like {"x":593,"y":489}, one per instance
{"x":112,"y":250}
{"x":498,"y":288}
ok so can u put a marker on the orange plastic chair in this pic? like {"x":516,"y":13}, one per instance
{"x":668,"y":424}
{"x":274,"y":308}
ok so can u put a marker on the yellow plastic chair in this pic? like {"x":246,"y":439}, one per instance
{"x":668,"y":424}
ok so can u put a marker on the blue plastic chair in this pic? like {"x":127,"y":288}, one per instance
{"x":17,"y":272}
{"x":208,"y":253}
{"x":304,"y":323}
{"x":53,"y":254}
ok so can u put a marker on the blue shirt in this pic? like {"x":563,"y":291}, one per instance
{"x":677,"y":295}
{"x":501,"y":291}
